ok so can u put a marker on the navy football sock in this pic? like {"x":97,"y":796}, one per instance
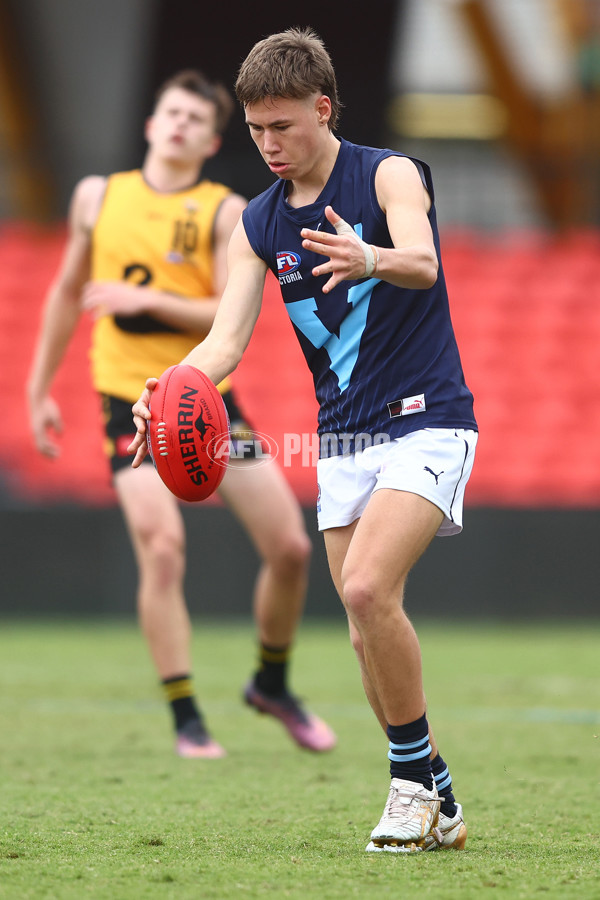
{"x":443,"y":781}
{"x":410,"y":751}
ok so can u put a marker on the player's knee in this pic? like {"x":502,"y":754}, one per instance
{"x":364,"y":596}
{"x":290,"y":555}
{"x":163,"y":557}
{"x":359,"y":596}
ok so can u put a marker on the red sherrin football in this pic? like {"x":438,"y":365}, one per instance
{"x":188,"y":434}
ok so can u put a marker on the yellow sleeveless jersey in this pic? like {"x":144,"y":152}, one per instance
{"x":163,"y":241}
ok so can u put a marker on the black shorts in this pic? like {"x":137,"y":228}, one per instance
{"x":120,"y":430}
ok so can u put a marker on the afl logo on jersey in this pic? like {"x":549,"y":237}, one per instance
{"x":288,"y":263}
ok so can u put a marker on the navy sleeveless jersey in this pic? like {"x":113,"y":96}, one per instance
{"x":384,"y":359}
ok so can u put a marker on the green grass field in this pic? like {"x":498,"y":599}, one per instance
{"x":94,"y":803}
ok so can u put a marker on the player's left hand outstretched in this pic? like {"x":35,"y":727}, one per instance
{"x":349,"y":256}
{"x":141,"y":415}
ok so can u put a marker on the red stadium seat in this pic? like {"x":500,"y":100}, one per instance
{"x":526,"y":308}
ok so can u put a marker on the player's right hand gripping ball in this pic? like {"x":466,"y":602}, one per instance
{"x":188,"y":433}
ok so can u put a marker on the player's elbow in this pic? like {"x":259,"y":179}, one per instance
{"x":429,"y":280}
{"x":428,"y":270}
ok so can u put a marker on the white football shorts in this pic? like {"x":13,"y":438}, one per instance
{"x":434,"y":462}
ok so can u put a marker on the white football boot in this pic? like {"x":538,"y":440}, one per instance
{"x":410,"y":814}
{"x":450,"y":834}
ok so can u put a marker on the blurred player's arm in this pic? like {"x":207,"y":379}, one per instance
{"x":221,"y":351}
{"x":61,"y":313}
{"x":193,"y":315}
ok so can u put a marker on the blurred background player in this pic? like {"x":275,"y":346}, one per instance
{"x":146,"y":256}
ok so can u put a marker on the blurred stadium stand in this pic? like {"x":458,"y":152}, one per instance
{"x":511,"y":127}
{"x":526,"y":309}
